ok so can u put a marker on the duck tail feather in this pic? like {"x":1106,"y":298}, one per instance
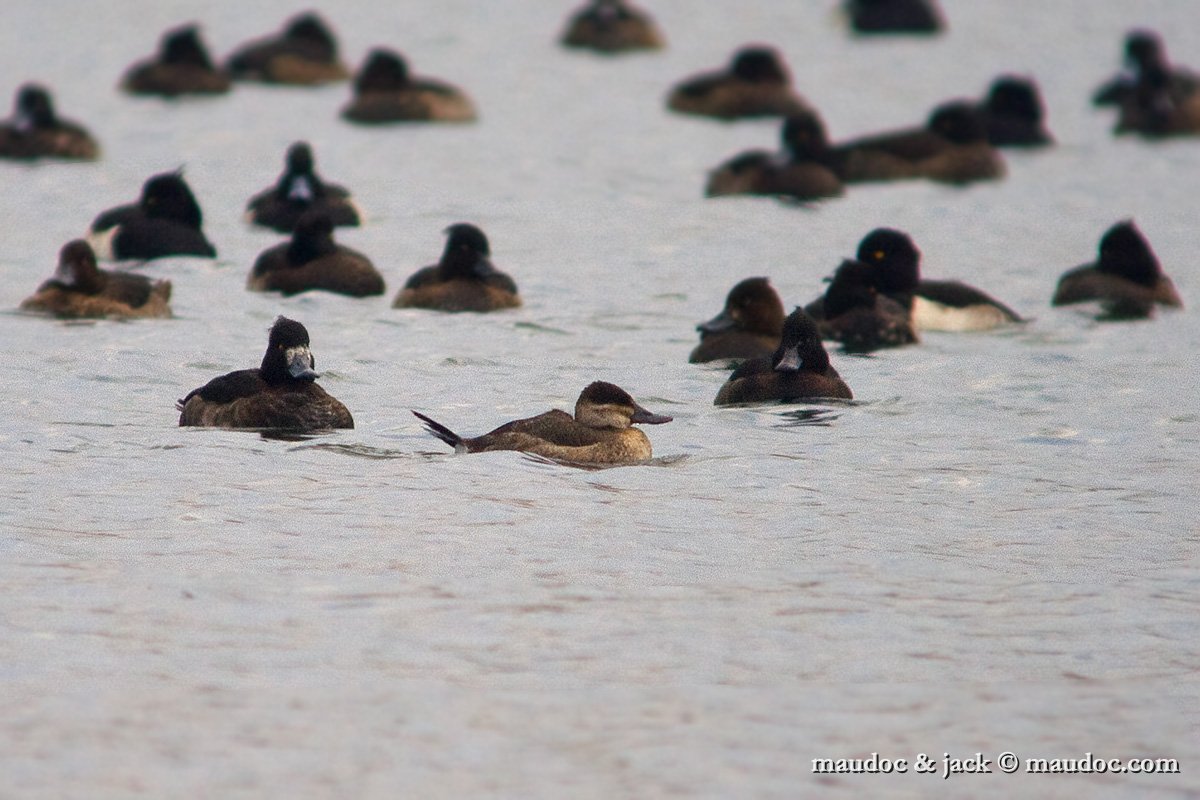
{"x":441,"y":431}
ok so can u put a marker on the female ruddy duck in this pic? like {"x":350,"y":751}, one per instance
{"x":298,"y":190}
{"x":313,"y":260}
{"x":182,"y":66}
{"x":801,"y":172}
{"x":165,"y":221}
{"x":894,"y":16}
{"x":756,"y":84}
{"x":612,"y":26}
{"x":280,"y":394}
{"x":305,"y":53}
{"x":385,"y":91}
{"x":952,"y":147}
{"x":856,"y":314}
{"x":35,"y":131}
{"x":599,"y":433}
{"x":463,"y":280}
{"x":934,"y":305}
{"x":748,"y":327}
{"x":799,"y":370}
{"x":81,"y":290}
{"x":1127,"y":278}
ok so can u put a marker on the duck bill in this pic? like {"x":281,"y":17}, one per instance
{"x":790,"y":361}
{"x":300,"y":363}
{"x":644,"y":417}
{"x":721,"y":322}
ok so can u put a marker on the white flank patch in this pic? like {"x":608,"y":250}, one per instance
{"x":102,"y":243}
{"x":930,"y":316}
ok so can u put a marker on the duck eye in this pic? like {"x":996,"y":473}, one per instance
{"x":877,"y":255}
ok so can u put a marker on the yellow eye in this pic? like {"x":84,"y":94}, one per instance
{"x":877,"y":255}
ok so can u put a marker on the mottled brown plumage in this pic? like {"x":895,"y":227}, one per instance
{"x":81,"y":290}
{"x":599,"y":433}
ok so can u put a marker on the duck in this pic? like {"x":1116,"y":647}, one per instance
{"x":801,"y":172}
{"x":298,"y":190}
{"x":749,"y":326}
{"x":611,"y":27}
{"x":181,"y":67}
{"x":1126,"y":279}
{"x":861,"y":317}
{"x":601,"y":431}
{"x":81,"y":290}
{"x":280,"y":394}
{"x":36,"y":131}
{"x":894,"y":16}
{"x":304,"y":53}
{"x":934,"y":305}
{"x":1145,"y":55}
{"x":1159,"y":107}
{"x":312,"y":260}
{"x":385,"y":91}
{"x":755,"y":84}
{"x":798,"y":370}
{"x":165,"y":221}
{"x":1013,"y":113}
{"x":464,"y":279}
{"x":952,"y":147}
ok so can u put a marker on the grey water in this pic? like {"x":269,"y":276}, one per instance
{"x":994,"y":548}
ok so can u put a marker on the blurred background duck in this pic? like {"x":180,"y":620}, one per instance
{"x":299,"y":190}
{"x":611,"y":27}
{"x":81,"y":290}
{"x":385,"y":91}
{"x":464,"y":279}
{"x":756,"y":83}
{"x":1126,"y":280}
{"x":36,"y":131}
{"x":312,"y":260}
{"x":181,"y":67}
{"x":304,"y":53}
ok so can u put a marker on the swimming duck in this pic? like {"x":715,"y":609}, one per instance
{"x":298,"y":190}
{"x":599,"y":433}
{"x":801,"y":172}
{"x":385,"y":91}
{"x":798,"y":370}
{"x":755,"y":84}
{"x":934,"y":305}
{"x":281,"y":394}
{"x":1014,"y":115}
{"x":35,"y":131}
{"x":1160,"y":106}
{"x":1127,"y":279}
{"x":182,"y":66}
{"x":463,"y":280}
{"x":952,"y":147}
{"x":612,"y":26}
{"x":1145,"y":57}
{"x":164,"y":222}
{"x":81,"y":290}
{"x":894,"y":16}
{"x":748,"y":327}
{"x":305,"y":53}
{"x":859,"y":316}
{"x":313,"y":260}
